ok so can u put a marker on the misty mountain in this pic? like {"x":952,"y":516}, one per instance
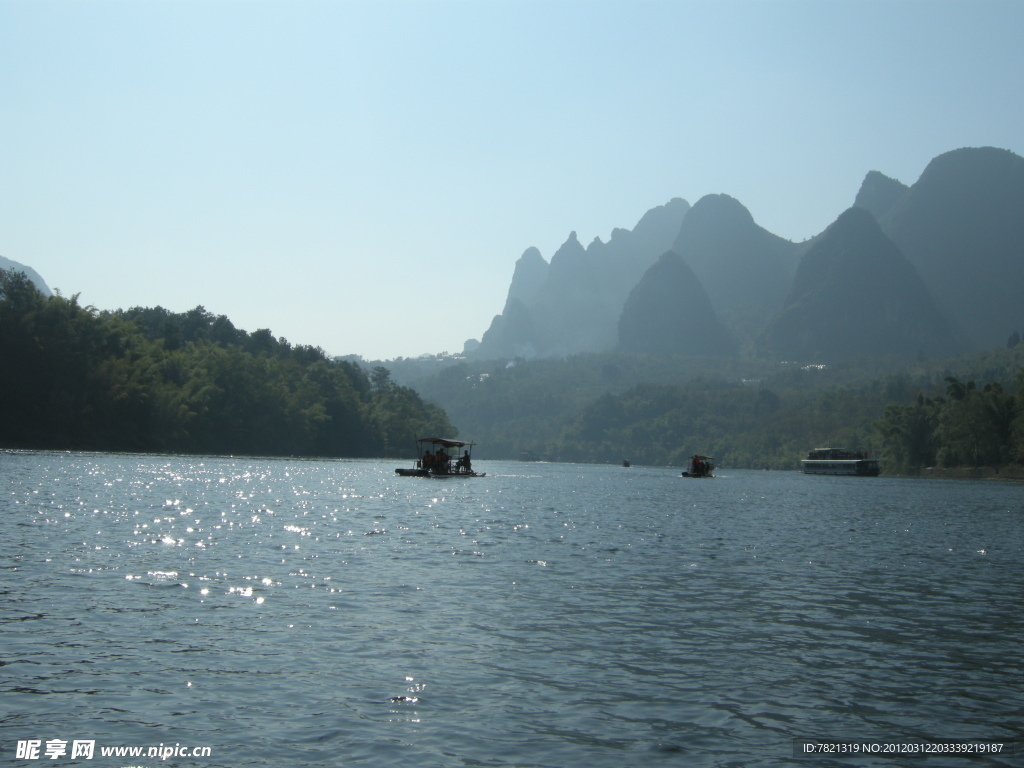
{"x":855,"y":293}
{"x":512,"y":334}
{"x":30,"y":273}
{"x":962,"y":226}
{"x":669,"y":313}
{"x":529,"y":276}
{"x":573,"y":303}
{"x":958,"y":233}
{"x":745,"y":269}
{"x":878,"y":194}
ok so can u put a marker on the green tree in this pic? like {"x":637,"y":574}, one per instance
{"x":909,"y":435}
{"x":974,"y":428}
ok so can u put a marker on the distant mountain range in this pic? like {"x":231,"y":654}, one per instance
{"x":573,"y":304}
{"x":927,"y":269}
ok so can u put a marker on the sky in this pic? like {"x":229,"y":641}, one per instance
{"x":362,"y":176}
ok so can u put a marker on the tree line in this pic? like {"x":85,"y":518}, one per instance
{"x":748,"y":414}
{"x":147,"y":379}
{"x":968,"y":425}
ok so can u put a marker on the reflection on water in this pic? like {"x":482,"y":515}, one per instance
{"x":299,"y":612}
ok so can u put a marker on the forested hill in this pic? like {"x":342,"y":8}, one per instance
{"x":153,"y":380}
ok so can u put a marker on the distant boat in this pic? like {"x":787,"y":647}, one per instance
{"x":439,"y":462}
{"x":700,"y":466}
{"x":626,"y":464}
{"x":839,"y":461}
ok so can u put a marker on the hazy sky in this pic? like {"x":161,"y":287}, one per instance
{"x":362,"y":176}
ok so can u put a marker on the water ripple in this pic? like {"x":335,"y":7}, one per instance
{"x":300,"y":612}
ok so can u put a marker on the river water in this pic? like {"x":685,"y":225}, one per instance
{"x":295,"y":613}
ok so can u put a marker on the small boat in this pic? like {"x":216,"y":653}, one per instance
{"x":700,"y":466}
{"x":439,"y":462}
{"x":626,"y":464}
{"x":839,"y":461}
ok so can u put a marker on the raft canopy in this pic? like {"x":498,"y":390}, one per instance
{"x":445,"y":441}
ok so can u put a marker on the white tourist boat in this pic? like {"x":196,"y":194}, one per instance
{"x":839,"y":461}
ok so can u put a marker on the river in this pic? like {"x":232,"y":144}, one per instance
{"x":294,"y":613}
